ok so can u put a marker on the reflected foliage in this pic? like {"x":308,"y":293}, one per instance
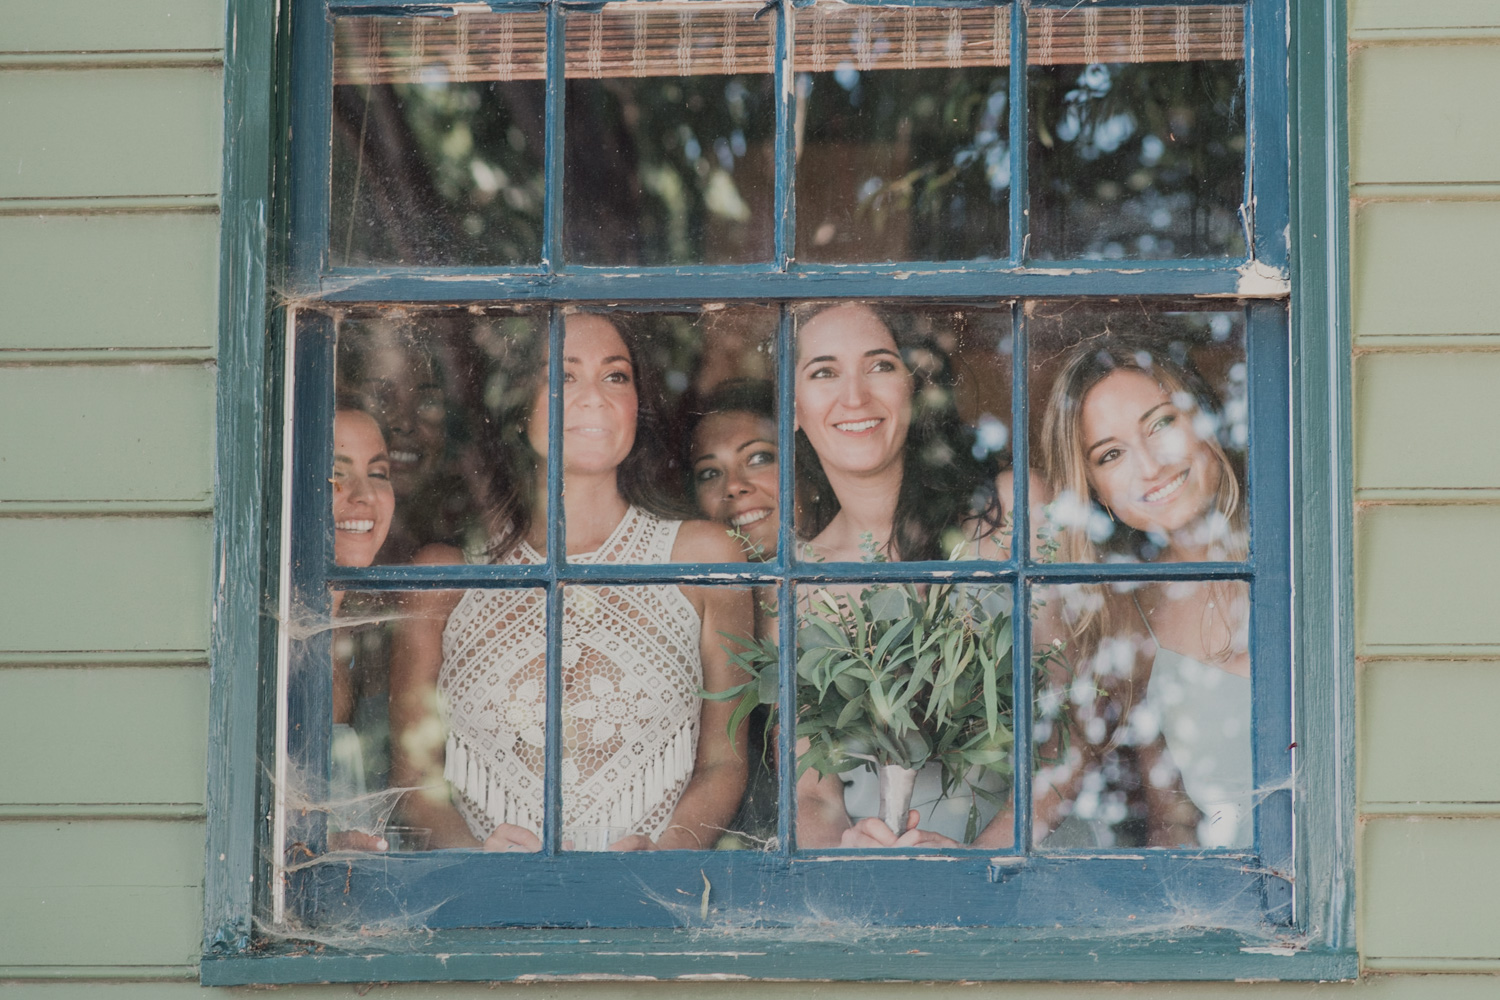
{"x":1137,"y":160}
{"x":903,"y":165}
{"x":669,"y":170}
{"x":437,"y":173}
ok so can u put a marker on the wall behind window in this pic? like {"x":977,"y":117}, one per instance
{"x":108,"y":246}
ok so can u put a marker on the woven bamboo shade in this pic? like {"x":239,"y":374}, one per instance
{"x":692,"y":39}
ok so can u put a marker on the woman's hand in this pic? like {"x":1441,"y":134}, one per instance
{"x":354,"y":840}
{"x":871,"y":832}
{"x":634,"y":842}
{"x":509,"y":837}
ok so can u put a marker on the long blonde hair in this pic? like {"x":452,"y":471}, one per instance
{"x":1076,"y":513}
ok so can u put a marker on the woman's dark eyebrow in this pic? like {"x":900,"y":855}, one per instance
{"x":1147,"y":415}
{"x":873,"y":352}
{"x":1095,"y":446}
{"x":709,"y":454}
{"x":607,"y":361}
{"x":1144,"y":417}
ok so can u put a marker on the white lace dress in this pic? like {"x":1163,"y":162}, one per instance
{"x":631,"y":673}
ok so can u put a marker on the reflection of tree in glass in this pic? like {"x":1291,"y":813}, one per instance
{"x":904,"y":165}
{"x":1137,"y":159}
{"x":669,"y":170}
{"x":438,"y":173}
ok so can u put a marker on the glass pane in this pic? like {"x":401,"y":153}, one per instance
{"x":923,"y":723}
{"x":1138,"y":132}
{"x":438,"y":726}
{"x":491,"y":696}
{"x":1143,"y":723}
{"x":1140,"y":424}
{"x":904,"y":432}
{"x":645,"y":755}
{"x":903,"y":145}
{"x":670,"y":417}
{"x":670,"y":134}
{"x":438,"y":402}
{"x":438,"y":135}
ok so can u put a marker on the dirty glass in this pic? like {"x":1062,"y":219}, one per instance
{"x":438,"y":138}
{"x":692,"y":433}
{"x":915,"y":399}
{"x":905,"y":702}
{"x":451,"y":392}
{"x":670,"y":129}
{"x":1143,"y":717}
{"x":646,"y":758}
{"x":1137,"y":132}
{"x":1140,"y":430}
{"x":902,"y":133}
{"x":1087,"y":686}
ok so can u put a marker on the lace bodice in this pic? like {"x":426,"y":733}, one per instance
{"x":631,"y":673}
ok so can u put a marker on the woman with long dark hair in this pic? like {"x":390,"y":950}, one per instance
{"x":888,"y":472}
{"x":647,"y":763}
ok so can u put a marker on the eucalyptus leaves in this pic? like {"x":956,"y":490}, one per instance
{"x":901,"y":676}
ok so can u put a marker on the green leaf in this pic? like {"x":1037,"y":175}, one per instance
{"x":770,"y":686}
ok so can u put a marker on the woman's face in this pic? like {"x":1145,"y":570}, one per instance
{"x":1144,"y":459}
{"x":363,"y":499}
{"x":853,"y":391}
{"x":402,"y":385}
{"x":599,"y":398}
{"x":734,"y":474}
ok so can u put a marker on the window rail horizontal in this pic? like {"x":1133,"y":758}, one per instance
{"x":750,"y":890}
{"x":960,"y":279}
{"x":742,"y":574}
{"x":915,"y":954}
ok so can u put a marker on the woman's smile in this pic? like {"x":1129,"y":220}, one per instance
{"x":1145,"y":459}
{"x":854,"y":391}
{"x":734,"y":475}
{"x":1167,"y":490}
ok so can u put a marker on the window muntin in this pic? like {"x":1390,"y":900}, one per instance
{"x":1253,"y":900}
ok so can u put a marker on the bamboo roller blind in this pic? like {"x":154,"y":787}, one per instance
{"x":683,"y":39}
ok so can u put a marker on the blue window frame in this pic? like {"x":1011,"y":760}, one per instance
{"x":1276,"y":910}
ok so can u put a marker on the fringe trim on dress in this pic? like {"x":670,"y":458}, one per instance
{"x":670,"y":768}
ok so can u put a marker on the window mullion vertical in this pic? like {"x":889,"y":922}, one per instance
{"x":1267,"y":196}
{"x":309,"y":694}
{"x":1020,"y":551}
{"x":556,"y":554}
{"x":312,"y":122}
{"x":784,"y":197}
{"x":1268,"y":490}
{"x":552,"y":220}
{"x":1020,"y":201}
{"x":786,"y":598}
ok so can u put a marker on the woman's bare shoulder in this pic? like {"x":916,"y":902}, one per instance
{"x":706,"y":541}
{"x":438,"y":554}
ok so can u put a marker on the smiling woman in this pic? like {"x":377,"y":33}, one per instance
{"x":648,"y":763}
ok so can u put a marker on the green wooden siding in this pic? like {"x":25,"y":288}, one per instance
{"x":109,"y":133}
{"x":108,"y":253}
{"x":1425,"y":167}
{"x":1434,"y":765}
{"x":115,"y":433}
{"x":132,"y":584}
{"x":135,"y":740}
{"x":124,"y":281}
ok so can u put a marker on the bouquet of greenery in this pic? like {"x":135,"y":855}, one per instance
{"x":898,"y":678}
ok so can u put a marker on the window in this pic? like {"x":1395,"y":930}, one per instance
{"x":811,"y":271}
